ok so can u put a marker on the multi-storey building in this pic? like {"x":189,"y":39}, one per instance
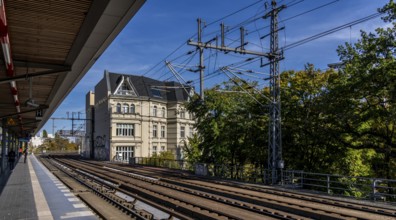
{"x":135,"y":116}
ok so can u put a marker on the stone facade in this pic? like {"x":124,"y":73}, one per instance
{"x":135,"y":116}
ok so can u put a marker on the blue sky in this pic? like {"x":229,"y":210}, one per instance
{"x":161,"y":26}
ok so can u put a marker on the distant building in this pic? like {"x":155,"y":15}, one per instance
{"x":36,"y":141}
{"x":136,"y":116}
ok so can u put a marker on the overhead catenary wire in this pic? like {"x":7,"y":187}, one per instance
{"x":236,"y":83}
{"x":309,"y":39}
{"x":331,"y":31}
{"x":177,"y":76}
{"x":183,"y":44}
{"x":265,"y":97}
{"x":255,"y":18}
{"x":209,"y":74}
{"x":235,"y":12}
{"x":295,"y":16}
{"x":187,"y":60}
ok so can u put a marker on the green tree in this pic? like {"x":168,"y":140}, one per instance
{"x":45,"y":134}
{"x":58,"y":144}
{"x":229,"y":125}
{"x":166,"y":155}
{"x":305,"y":141}
{"x":192,"y":152}
{"x":333,"y":121}
{"x":364,"y":110}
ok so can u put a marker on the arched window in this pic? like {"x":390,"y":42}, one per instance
{"x":132,"y":108}
{"x":118,"y":110}
{"x":125,"y":108}
{"x":163,"y":112}
{"x":155,"y":111}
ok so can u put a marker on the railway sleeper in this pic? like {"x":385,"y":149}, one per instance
{"x":186,"y":209}
{"x":103,"y":192}
{"x":281,"y":206}
{"x":123,"y":205}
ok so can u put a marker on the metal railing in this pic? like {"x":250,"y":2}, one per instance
{"x":158,"y":162}
{"x":376,"y":189}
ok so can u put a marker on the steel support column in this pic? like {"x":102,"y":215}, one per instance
{"x":275,"y":162}
{"x":3,"y":144}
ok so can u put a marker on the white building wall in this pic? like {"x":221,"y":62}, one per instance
{"x":144,"y":121}
{"x":107,"y":118}
{"x":36,"y":141}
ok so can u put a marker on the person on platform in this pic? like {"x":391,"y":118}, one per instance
{"x":11,"y":159}
{"x":25,"y":154}
{"x":20,"y":151}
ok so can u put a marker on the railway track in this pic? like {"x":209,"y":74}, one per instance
{"x":185,"y":196}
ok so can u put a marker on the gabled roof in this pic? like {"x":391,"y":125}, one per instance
{"x":150,"y":88}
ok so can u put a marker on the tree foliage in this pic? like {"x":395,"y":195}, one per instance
{"x":336,"y":121}
{"x":57,"y":144}
{"x":166,"y":155}
{"x":229,"y":125}
{"x":305,"y":140}
{"x":45,"y":134}
{"x":364,"y":110}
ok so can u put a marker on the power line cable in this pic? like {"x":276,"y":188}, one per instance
{"x":297,"y":15}
{"x":183,"y":44}
{"x":188,"y":60}
{"x":333,"y":30}
{"x":233,"y":13}
{"x":311,"y":10}
{"x":236,"y":83}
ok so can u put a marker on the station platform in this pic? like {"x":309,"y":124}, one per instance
{"x":32,"y":192}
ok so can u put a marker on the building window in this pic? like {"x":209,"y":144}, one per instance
{"x":118,"y":110}
{"x":125,"y":108}
{"x":162,"y":148}
{"x":132,"y":108}
{"x":182,"y":114}
{"x":154,"y":150}
{"x":155,"y":131}
{"x":163,"y":131}
{"x":191,"y":131}
{"x":163,"y":112}
{"x":155,"y":111}
{"x":125,"y":130}
{"x":156,"y":93}
{"x":123,"y":153}
{"x":125,"y":89}
{"x":182,"y":131}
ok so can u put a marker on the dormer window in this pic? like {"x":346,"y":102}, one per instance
{"x":156,"y":93}
{"x":125,"y":88}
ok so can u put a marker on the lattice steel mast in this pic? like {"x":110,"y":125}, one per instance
{"x":275,"y":161}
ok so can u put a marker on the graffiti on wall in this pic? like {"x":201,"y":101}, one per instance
{"x":102,"y":149}
{"x":100,"y":141}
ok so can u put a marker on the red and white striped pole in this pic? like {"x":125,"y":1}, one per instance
{"x":6,"y":48}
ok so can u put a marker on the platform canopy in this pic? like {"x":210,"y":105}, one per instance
{"x":47,"y":47}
